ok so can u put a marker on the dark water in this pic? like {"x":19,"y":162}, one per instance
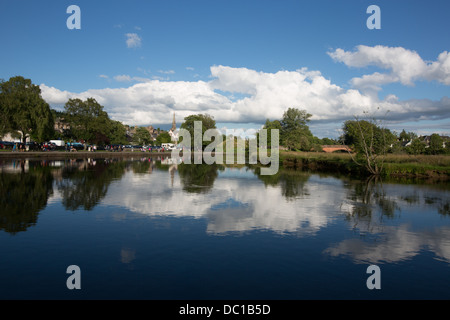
{"x":145,"y":229}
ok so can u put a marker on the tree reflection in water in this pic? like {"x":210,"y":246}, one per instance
{"x":198,"y":178}
{"x":85,"y":183}
{"x":291,"y":182}
{"x":367,"y":197}
{"x":22,"y":196}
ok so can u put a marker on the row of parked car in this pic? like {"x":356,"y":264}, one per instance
{"x":29,"y":146}
{"x":50,"y":146}
{"x":115,"y":147}
{"x":6,"y":144}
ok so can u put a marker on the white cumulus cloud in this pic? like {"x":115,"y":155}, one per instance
{"x":250,"y":96}
{"x":405,"y":66}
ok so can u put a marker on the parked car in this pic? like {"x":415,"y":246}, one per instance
{"x":6,"y":144}
{"x":76,"y":145}
{"x":32,"y":146}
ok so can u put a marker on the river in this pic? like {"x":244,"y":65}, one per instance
{"x":146,"y":228}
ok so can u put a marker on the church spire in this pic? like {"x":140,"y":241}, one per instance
{"x":174,"y":126}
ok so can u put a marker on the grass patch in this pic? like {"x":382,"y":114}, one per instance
{"x":394,"y":165}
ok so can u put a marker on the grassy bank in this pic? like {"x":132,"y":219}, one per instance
{"x":80,"y":154}
{"x":422,"y":166}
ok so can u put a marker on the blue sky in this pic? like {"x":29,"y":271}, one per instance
{"x":236,"y":59}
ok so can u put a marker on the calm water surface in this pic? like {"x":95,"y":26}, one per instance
{"x":149,"y":229}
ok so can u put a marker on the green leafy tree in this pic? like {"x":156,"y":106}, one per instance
{"x":4,"y":115}
{"x":297,"y":139}
{"x":117,"y":132}
{"x":328,"y":141}
{"x":163,"y":137}
{"x":370,"y":141}
{"x":416,"y":147}
{"x":23,"y":109}
{"x":363,"y":134}
{"x":436,"y":144}
{"x":403,"y":136}
{"x":88,"y":121}
{"x":207,"y":121}
{"x":142,"y":136}
{"x":269,"y":126}
{"x":295,"y":133}
{"x":407,"y":136}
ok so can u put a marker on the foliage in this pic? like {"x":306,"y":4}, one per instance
{"x":163,"y":137}
{"x":416,"y":147}
{"x":370,"y":141}
{"x":142,"y":136}
{"x":117,"y":132}
{"x":269,"y":126}
{"x":436,"y":144}
{"x":407,"y":136}
{"x":362,"y":134}
{"x":88,"y":121}
{"x":207,"y":121}
{"x":326,"y":141}
{"x":23,"y":109}
{"x":295,"y":133}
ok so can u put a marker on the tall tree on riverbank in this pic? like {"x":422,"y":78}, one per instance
{"x":117,"y":132}
{"x":269,"y":126}
{"x":370,"y":140}
{"x":207,"y":122}
{"x":88,"y":121}
{"x":23,"y":109}
{"x":295,"y":133}
{"x":436,"y":145}
{"x":163,"y":137}
{"x":142,"y":136}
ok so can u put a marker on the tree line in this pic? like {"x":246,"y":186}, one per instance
{"x":26,"y":115}
{"x":357,"y":134}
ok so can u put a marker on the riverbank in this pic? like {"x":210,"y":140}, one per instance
{"x":408,"y":166}
{"x":58,"y":155}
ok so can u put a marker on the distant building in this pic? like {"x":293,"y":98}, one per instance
{"x":153,"y":132}
{"x":13,"y":137}
{"x":60,"y":125}
{"x":427,"y":139}
{"x":173,"y":131}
